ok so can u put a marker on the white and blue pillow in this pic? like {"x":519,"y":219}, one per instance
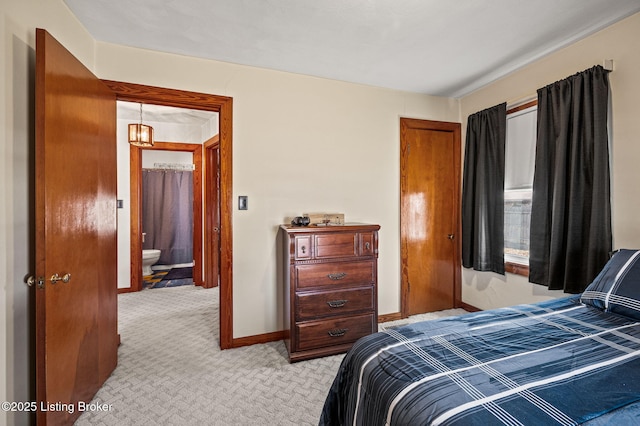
{"x":617,"y":287}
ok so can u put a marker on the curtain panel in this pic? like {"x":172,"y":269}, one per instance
{"x":483,"y":190}
{"x":571,"y":207}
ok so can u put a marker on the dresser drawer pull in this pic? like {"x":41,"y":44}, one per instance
{"x":338,"y":276}
{"x":338,"y":332}
{"x":337,"y":303}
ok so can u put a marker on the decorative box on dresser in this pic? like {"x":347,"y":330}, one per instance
{"x":330,"y":278}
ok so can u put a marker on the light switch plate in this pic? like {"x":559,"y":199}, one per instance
{"x":243,"y":202}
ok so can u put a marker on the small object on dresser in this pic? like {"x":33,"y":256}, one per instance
{"x":300,"y":221}
{"x":325,"y":219}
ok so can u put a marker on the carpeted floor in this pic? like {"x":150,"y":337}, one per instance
{"x":171,"y":370}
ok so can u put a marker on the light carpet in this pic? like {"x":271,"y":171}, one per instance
{"x":171,"y":370}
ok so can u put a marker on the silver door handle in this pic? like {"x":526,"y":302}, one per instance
{"x":65,"y":278}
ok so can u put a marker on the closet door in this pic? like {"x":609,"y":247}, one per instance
{"x":430,"y":218}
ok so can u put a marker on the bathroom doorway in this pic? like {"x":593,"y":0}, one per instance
{"x":171,"y":201}
{"x":223,"y":105}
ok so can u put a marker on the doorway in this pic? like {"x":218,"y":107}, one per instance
{"x":136,"y":171}
{"x":429,"y":216}
{"x":223,"y":106}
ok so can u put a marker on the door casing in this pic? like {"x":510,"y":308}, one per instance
{"x":407,"y":225}
{"x":135,"y":173}
{"x":212,"y":216}
{"x":223,"y":105}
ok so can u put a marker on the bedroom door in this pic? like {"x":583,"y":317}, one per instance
{"x":75,"y":204}
{"x":212,"y":212}
{"x":430,"y":218}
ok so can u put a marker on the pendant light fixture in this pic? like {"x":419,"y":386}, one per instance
{"x":140,"y":134}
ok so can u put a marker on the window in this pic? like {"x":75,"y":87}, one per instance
{"x":518,"y":183}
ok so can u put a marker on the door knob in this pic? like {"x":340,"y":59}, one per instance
{"x":65,"y":278}
{"x":450,"y":236}
{"x":31,"y":281}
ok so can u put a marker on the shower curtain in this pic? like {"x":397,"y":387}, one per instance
{"x":167,"y":214}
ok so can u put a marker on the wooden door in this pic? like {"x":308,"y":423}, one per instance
{"x":430,"y":218}
{"x":76,"y":315}
{"x":212,"y":212}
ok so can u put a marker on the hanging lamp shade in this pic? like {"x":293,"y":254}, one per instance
{"x":140,"y":134}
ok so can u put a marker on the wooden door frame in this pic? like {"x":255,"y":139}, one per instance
{"x":412,"y":123}
{"x":135,"y":176}
{"x":223,"y":105}
{"x":212,"y":201}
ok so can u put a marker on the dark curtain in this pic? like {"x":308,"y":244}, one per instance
{"x":571,"y":208}
{"x":167,"y":214}
{"x":483,"y":190}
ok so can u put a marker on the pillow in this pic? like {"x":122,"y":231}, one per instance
{"x":617,"y":286}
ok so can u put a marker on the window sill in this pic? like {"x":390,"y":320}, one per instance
{"x":516,"y":268}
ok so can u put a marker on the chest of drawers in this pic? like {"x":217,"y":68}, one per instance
{"x":329,"y":287}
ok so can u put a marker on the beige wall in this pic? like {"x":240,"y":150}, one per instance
{"x":618,"y":42}
{"x":300,"y":144}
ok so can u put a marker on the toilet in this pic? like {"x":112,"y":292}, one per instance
{"x":149,"y":257}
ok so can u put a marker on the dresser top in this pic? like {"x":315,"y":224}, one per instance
{"x":348,"y":226}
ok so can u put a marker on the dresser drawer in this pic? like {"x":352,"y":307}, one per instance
{"x":338,"y":273}
{"x":331,"y":332}
{"x":336,"y":245}
{"x":339,"y":302}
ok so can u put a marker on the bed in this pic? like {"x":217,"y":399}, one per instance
{"x":574,"y":360}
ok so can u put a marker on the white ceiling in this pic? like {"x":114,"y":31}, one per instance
{"x":437,"y":47}
{"x":160,"y":113}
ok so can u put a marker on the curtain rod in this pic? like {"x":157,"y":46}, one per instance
{"x":607,"y":64}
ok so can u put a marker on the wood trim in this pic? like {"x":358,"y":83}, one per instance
{"x":516,"y":268}
{"x":259,"y":338}
{"x":135,"y":215}
{"x":126,"y":290}
{"x":469,"y":308}
{"x":523,"y":106}
{"x":211,"y":220}
{"x":389,"y":317}
{"x":224,"y":106}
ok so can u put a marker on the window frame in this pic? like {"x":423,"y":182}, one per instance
{"x":511,"y":263}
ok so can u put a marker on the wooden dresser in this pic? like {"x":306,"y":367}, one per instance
{"x":330,"y":287}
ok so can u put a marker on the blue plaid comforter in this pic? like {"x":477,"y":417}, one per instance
{"x":556,"y":362}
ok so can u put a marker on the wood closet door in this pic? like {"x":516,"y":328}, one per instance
{"x":76,"y":252}
{"x":430,"y":218}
